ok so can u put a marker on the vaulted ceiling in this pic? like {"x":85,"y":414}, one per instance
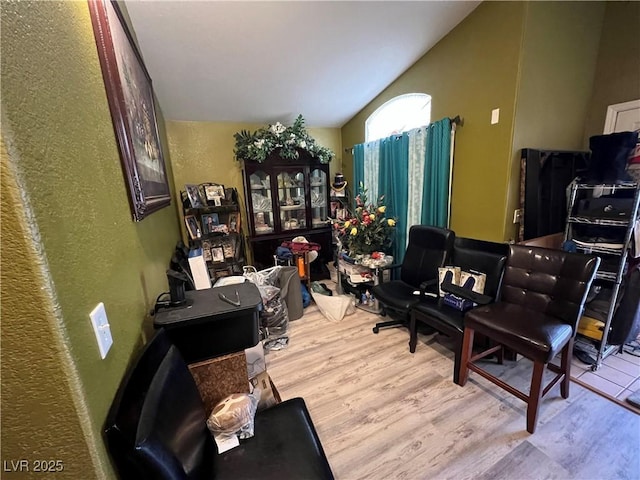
{"x":261,"y":62}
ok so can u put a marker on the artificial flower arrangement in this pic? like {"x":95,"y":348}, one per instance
{"x":259,"y":145}
{"x":366,"y":231}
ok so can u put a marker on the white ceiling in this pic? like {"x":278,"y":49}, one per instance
{"x":262,"y":62}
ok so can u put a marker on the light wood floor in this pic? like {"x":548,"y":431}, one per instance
{"x":383,"y":413}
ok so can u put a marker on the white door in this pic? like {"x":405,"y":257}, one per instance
{"x":625,"y":117}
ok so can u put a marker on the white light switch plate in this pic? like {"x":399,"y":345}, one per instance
{"x":101,"y":329}
{"x":495,"y":116}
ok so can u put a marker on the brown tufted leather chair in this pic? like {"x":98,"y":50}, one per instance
{"x":542,"y":298}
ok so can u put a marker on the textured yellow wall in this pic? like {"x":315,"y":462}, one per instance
{"x":556,"y":80}
{"x":60,"y":142}
{"x":617,"y":77}
{"x":203,"y":152}
{"x":468,"y":73}
{"x":40,"y":418}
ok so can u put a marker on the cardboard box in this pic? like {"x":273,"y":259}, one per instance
{"x":199,"y":270}
{"x":269,"y":395}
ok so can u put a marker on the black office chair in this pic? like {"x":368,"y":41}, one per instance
{"x":429,"y":248}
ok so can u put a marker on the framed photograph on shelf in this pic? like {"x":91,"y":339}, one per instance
{"x":230,"y":195}
{"x":219,"y":229}
{"x":229,"y":248}
{"x":193,"y":192}
{"x":193,"y":227}
{"x":214,"y":193}
{"x":130,"y":97}
{"x":209,"y":222}
{"x":217,"y":254}
{"x":234,"y":223}
{"x":222,"y":273}
{"x":206,"y":250}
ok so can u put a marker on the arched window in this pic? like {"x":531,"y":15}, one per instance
{"x":398,"y":115}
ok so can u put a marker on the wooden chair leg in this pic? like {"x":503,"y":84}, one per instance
{"x":565,"y":366}
{"x":535,"y":393}
{"x":500,"y":355}
{"x":413,"y":333}
{"x":467,"y":350}
{"x":457,"y":354}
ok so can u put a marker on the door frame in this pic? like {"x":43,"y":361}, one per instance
{"x":614,"y":110}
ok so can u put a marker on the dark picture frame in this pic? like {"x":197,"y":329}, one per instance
{"x":193,"y":227}
{"x":131,"y":102}
{"x":206,"y":250}
{"x":213,"y":190}
{"x":234,"y":223}
{"x":194,"y":194}
{"x":217,"y":254}
{"x":209,"y":222}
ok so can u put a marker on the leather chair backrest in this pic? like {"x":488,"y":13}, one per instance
{"x":172,"y":438}
{"x":429,"y":248}
{"x":123,"y":419}
{"x":553,"y":282}
{"x":482,"y":256}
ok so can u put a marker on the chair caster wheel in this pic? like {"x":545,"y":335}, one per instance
{"x":376,"y":329}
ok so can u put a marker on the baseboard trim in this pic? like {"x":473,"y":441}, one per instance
{"x":622,"y":403}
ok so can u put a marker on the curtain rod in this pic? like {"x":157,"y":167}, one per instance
{"x":455,"y":121}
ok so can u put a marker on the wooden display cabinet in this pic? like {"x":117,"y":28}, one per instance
{"x":286,"y":199}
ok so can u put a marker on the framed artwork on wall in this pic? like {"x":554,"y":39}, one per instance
{"x":131,"y":102}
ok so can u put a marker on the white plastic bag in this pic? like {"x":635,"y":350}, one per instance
{"x":274,"y":317}
{"x":334,"y":307}
{"x":268,"y":276}
{"x":234,"y":414}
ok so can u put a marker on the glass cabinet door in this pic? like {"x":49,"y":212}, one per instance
{"x":291,"y":196}
{"x":261,"y":202}
{"x":319,"y":211}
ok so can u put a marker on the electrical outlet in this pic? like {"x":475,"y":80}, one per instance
{"x":517,"y":215}
{"x":101,"y":328}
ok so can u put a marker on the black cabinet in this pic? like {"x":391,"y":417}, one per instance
{"x":286,"y":199}
{"x":544,"y":178}
{"x":217,"y":230}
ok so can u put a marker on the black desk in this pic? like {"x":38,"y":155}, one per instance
{"x":210,"y":326}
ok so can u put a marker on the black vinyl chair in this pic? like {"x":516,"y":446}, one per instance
{"x":541,"y":301}
{"x":156,"y":429}
{"x":429,"y":248}
{"x":468,"y":254}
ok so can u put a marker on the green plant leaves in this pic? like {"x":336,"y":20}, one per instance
{"x":259,"y":145}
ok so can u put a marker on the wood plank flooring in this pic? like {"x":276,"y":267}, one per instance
{"x":384,"y":413}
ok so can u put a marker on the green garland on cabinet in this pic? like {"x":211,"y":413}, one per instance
{"x":290,"y":140}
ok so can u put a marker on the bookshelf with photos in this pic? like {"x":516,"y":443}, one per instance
{"x":213,"y":223}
